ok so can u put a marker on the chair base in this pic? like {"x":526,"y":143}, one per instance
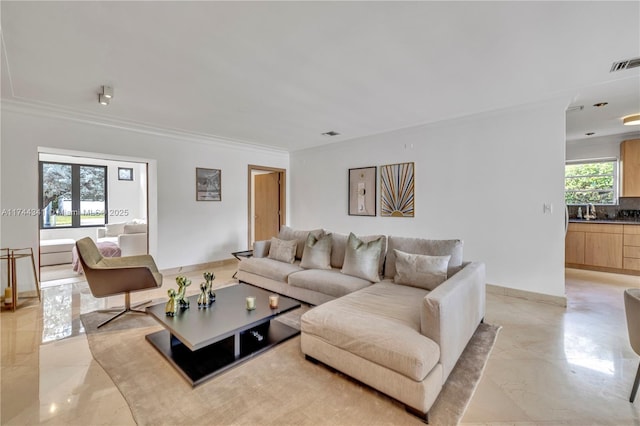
{"x":127,"y":308}
{"x":634,"y":390}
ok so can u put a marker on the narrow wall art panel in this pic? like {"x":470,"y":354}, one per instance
{"x":397,"y":190}
{"x":362,"y":191}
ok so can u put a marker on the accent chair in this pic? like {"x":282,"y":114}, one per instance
{"x":109,"y":276}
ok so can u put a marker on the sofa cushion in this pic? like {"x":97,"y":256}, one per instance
{"x":327,"y":281}
{"x":424,"y":246}
{"x":287,"y":233}
{"x":419,"y":270}
{"x":340,"y":244}
{"x":317,"y":252}
{"x":380,"y":323}
{"x":114,"y":229}
{"x":362,"y":259}
{"x":269,"y":268}
{"x":282,"y":250}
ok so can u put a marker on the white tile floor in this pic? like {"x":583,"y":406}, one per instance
{"x":551,"y":365}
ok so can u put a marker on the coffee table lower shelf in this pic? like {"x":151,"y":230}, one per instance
{"x":203,"y":364}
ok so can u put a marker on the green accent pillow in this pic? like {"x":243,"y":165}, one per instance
{"x":362,"y":259}
{"x":317,"y":252}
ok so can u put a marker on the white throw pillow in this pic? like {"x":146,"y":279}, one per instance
{"x":283,"y":250}
{"x":362,"y":259}
{"x":420,"y":270}
{"x":317,"y":252}
{"x":114,"y":229}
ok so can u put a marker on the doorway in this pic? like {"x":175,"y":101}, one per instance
{"x":267,"y":202}
{"x":80,"y":195}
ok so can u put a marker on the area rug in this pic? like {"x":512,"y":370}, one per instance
{"x":276,"y":387}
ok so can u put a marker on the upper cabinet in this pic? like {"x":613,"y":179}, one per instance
{"x":630,"y":160}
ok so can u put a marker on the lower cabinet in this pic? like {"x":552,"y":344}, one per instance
{"x":631,"y":248}
{"x":606,"y":247}
{"x":574,"y":247}
{"x":602,"y":249}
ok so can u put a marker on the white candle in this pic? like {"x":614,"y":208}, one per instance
{"x":251,"y":303}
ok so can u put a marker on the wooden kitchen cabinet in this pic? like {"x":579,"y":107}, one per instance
{"x":630,"y":168}
{"x":595,"y":246}
{"x":602,"y":249}
{"x":631,"y":248}
{"x":574,"y":247}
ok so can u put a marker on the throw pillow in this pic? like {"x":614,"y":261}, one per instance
{"x":114,"y":229}
{"x":284,"y":251}
{"x":362,"y":259}
{"x":317,"y":252}
{"x":287,"y":233}
{"x":420,"y":270}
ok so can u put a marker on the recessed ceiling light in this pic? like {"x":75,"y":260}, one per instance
{"x":601,"y":104}
{"x":590,"y":133}
{"x":330,"y":133}
{"x":631,"y":120}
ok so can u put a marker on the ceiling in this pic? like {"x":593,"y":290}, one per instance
{"x":280,"y":74}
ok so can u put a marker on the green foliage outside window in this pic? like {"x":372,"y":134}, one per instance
{"x":590,"y":183}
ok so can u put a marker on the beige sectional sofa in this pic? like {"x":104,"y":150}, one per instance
{"x":402,"y":333}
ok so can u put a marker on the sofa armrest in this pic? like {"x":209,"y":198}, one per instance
{"x":261,"y":248}
{"x":451,"y":313}
{"x":132,"y":244}
{"x":101,"y":232}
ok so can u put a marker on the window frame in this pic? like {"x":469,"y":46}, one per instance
{"x":615,"y":175}
{"x":76,"y":214}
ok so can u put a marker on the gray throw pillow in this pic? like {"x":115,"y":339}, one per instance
{"x":420,"y":270}
{"x":284,"y":251}
{"x":317,"y":252}
{"x":362,"y":259}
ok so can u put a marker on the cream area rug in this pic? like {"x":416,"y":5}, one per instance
{"x":277,"y":387}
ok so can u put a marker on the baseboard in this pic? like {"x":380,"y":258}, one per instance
{"x":199,"y":266}
{"x":527,"y":295}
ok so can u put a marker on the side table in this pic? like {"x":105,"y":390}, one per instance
{"x":241,"y":254}
{"x":11,"y":255}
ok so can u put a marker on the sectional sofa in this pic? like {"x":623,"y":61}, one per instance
{"x":392,"y":312}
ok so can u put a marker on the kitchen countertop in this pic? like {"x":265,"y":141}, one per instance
{"x":607,"y":221}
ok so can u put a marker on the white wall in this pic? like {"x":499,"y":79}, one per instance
{"x":483,"y":179}
{"x":598,"y":147}
{"x":188,"y":232}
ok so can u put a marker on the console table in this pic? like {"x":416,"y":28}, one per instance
{"x":11,"y":255}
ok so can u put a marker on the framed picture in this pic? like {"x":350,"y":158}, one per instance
{"x":125,"y":173}
{"x":208,"y":186}
{"x":362,"y":191}
{"x":397,"y":190}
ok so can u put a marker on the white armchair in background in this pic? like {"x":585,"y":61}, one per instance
{"x":131,"y":237}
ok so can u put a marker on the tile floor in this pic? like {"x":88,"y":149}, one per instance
{"x":551,"y":365}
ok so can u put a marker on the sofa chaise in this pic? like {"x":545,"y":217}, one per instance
{"x":397,"y":322}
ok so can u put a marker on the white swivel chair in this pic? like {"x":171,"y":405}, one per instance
{"x":632,"y":308}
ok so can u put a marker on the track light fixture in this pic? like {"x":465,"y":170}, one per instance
{"x":105,"y":97}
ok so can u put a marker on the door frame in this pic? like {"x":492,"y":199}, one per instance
{"x":282,"y":178}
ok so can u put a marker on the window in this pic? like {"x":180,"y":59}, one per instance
{"x":72,"y":195}
{"x":592,"y":181}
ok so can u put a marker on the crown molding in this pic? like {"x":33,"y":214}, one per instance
{"x":55,"y":112}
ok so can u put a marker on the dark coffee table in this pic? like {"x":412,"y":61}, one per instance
{"x":202,"y":343}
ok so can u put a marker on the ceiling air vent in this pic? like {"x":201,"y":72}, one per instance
{"x":625,"y":65}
